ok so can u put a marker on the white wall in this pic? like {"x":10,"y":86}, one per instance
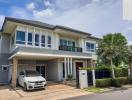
{"x":60,"y":71}
{"x":52,"y":71}
{"x":80,"y":42}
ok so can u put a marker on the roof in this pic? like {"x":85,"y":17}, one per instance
{"x":93,"y":37}
{"x":71,"y":29}
{"x":29,"y":22}
{"x":41,"y":25}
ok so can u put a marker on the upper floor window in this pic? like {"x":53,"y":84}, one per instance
{"x":20,"y":37}
{"x":43,"y":40}
{"x":90,"y":47}
{"x":30,"y":38}
{"x":67,"y":43}
{"x":36,"y":39}
{"x":49,"y":41}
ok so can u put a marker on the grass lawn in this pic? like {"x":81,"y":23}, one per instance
{"x":96,"y":90}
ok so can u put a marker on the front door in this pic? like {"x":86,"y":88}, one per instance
{"x":78,"y":65}
{"x":41,"y":70}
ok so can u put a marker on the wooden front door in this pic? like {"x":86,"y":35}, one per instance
{"x":78,"y":65}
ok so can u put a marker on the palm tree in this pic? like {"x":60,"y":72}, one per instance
{"x":111,"y":46}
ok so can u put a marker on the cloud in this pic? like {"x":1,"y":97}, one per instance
{"x":20,"y":13}
{"x":48,"y":3}
{"x":70,"y":4}
{"x":31,"y":6}
{"x":42,"y":14}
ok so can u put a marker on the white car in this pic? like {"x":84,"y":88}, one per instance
{"x":30,"y":80}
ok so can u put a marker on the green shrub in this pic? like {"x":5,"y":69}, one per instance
{"x":69,"y":77}
{"x":121,"y":72}
{"x":118,"y":72}
{"x":125,"y":80}
{"x":124,"y":72}
{"x":118,"y":82}
{"x":130,"y":80}
{"x":103,"y":82}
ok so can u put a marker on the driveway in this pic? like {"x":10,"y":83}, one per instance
{"x":7,"y":93}
{"x":115,"y":95}
{"x":53,"y":92}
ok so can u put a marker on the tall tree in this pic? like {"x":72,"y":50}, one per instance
{"x":110,"y":47}
{"x":129,"y":55}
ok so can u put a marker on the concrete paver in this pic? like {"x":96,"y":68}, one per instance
{"x":52,"y":92}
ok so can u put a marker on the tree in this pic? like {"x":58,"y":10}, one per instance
{"x":112,"y":46}
{"x":129,"y":55}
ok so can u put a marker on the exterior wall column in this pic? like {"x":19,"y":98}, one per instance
{"x":71,"y":66}
{"x":65,"y":63}
{"x":68,"y":65}
{"x":93,"y":73}
{"x":14,"y":72}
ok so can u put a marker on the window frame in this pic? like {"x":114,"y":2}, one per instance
{"x":90,"y":49}
{"x":65,"y":42}
{"x":7,"y":66}
{"x":49,"y":45}
{"x":35,"y":40}
{"x":29,"y":43}
{"x":24,"y":42}
{"x":41,"y":43}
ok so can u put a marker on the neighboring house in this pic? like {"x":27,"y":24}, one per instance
{"x":54,"y":51}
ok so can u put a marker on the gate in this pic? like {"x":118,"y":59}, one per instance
{"x":90,"y":79}
{"x":4,"y":71}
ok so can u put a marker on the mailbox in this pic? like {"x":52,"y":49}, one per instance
{"x":83,"y":80}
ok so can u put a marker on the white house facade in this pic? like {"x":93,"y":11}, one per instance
{"x":54,"y":51}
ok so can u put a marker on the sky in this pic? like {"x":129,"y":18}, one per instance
{"x":97,"y":17}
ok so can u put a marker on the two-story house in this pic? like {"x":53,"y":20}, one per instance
{"x":54,"y":51}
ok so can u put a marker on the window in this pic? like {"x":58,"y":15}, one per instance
{"x":29,"y":38}
{"x":67,"y":43}
{"x":36,"y":39}
{"x":20,"y":37}
{"x":43,"y":40}
{"x":49,"y":41}
{"x":90,"y":47}
{"x":4,"y":67}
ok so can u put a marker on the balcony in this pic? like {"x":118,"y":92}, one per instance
{"x":70,"y":48}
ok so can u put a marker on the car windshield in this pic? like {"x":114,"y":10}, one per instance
{"x":32,"y":73}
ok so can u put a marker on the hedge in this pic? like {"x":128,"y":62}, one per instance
{"x":117,"y":82}
{"x":119,"y":71}
{"x":103,"y":82}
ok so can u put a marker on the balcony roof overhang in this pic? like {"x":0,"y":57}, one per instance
{"x":37,"y":53}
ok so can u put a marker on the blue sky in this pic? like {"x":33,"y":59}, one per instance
{"x":98,"y":17}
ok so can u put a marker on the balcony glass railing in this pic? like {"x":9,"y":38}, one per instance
{"x":70,"y":48}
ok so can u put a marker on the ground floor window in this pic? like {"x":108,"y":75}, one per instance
{"x":42,"y":70}
{"x":4,"y":67}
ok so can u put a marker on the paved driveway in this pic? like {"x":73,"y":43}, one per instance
{"x":53,"y":92}
{"x":7,"y":93}
{"x":115,"y":95}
